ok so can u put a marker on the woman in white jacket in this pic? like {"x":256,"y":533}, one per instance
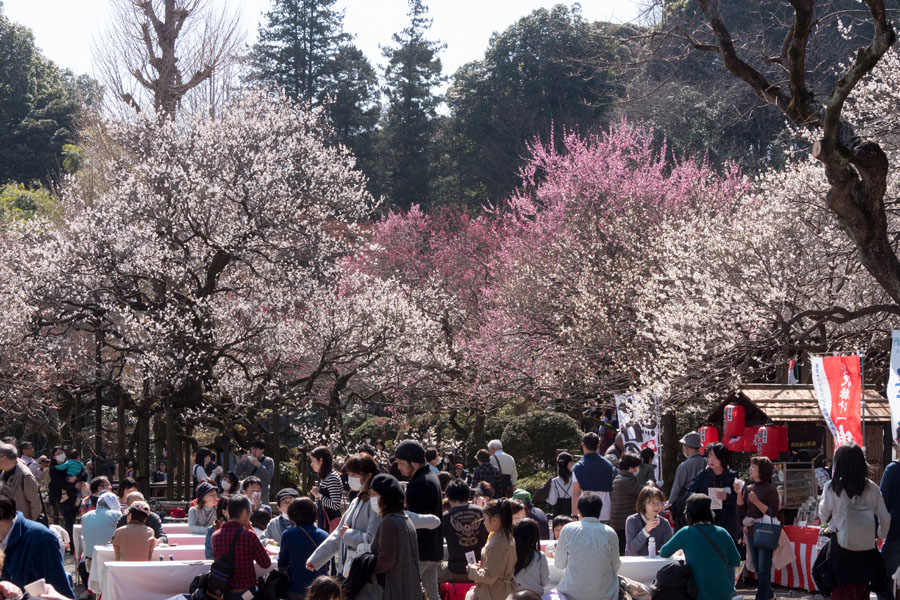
{"x":356,"y":530}
{"x":857,"y":569}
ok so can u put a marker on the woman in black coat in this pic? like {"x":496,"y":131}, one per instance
{"x":718,"y":475}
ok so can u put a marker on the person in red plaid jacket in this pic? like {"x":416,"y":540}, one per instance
{"x":247,"y":548}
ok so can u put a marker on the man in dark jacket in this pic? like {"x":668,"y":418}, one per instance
{"x":32,"y":550}
{"x":423,"y":496}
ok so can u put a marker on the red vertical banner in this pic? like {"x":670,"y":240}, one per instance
{"x":838,"y":385}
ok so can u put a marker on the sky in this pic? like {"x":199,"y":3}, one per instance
{"x":64,"y":29}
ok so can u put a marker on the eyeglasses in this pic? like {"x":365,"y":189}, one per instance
{"x":655,"y":503}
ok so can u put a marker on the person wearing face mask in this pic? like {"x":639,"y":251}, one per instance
{"x":358,"y":525}
{"x":229,"y":485}
{"x":277,"y":526}
{"x":395,"y":546}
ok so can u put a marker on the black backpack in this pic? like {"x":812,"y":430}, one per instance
{"x":214,"y":585}
{"x":674,"y":582}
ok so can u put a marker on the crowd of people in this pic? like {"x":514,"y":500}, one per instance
{"x":407,"y":524}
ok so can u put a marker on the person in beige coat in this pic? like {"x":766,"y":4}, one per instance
{"x":494,"y":577}
{"x":135,"y":540}
{"x":20,"y":482}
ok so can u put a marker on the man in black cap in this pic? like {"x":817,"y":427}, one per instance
{"x":693,"y":464}
{"x":277,"y":526}
{"x":423,"y":496}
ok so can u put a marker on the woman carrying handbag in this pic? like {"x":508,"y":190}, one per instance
{"x":755,"y":501}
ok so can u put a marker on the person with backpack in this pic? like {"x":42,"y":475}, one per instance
{"x":235,"y":543}
{"x":709,"y":550}
{"x":850,"y":505}
{"x":560,"y":495}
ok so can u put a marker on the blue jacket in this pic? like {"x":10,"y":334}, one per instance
{"x":32,"y":553}
{"x":594,"y":473}
{"x":297,"y":545}
{"x":890,"y":491}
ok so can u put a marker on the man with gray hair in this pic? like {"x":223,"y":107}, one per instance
{"x":506,"y":464}
{"x":20,"y":482}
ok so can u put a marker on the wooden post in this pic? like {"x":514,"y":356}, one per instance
{"x":671,"y":449}
{"x":98,"y":395}
{"x":171,"y":465}
{"x":121,"y":452}
{"x":276,"y":454}
{"x":188,"y":470}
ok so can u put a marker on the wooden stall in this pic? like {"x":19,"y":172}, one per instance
{"x":796,"y":407}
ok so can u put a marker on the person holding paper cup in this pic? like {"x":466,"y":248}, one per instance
{"x":717,"y":482}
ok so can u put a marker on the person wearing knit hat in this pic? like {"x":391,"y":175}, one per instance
{"x":410,"y":451}
{"x":423,"y":496}
{"x":135,"y":540}
{"x":396,"y":539}
{"x":203,"y":514}
{"x":278,"y":525}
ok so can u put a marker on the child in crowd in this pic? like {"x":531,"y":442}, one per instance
{"x":494,"y":576}
{"x":73,"y":467}
{"x":324,"y":588}
{"x":259,"y":520}
{"x":560,"y":521}
{"x":532,"y":570}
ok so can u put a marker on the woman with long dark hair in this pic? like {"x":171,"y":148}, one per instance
{"x":494,"y":576}
{"x":858,"y":567}
{"x":560,"y":497}
{"x":532,"y":572}
{"x":202,"y":458}
{"x":328,"y":492}
{"x":358,"y":526}
{"x":717,"y":482}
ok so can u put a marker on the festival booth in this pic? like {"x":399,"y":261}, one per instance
{"x":785,"y":423}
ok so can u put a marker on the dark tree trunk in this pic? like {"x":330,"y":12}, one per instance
{"x":671,"y":449}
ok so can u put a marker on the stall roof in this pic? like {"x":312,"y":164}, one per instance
{"x":766,"y":402}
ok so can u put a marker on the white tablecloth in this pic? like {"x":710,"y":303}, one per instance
{"x":154,"y":580}
{"x":103,"y":555}
{"x":641,"y":568}
{"x":638,"y":568}
{"x":171,"y":529}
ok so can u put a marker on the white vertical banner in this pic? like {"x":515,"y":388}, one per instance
{"x":823,"y":391}
{"x":639,"y":424}
{"x":893,"y":386}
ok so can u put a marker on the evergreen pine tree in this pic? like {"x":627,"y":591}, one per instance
{"x":303,"y":49}
{"x":412,"y":72}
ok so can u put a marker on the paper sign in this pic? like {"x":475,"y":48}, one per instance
{"x":715,"y":494}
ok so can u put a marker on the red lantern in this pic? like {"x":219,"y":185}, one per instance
{"x":708,"y":435}
{"x":768,"y":440}
{"x":782,"y":438}
{"x":734,"y":421}
{"x":748,"y":440}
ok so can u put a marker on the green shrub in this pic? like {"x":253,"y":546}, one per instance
{"x":533,"y":439}
{"x":378,"y":428}
{"x":290,"y":477}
